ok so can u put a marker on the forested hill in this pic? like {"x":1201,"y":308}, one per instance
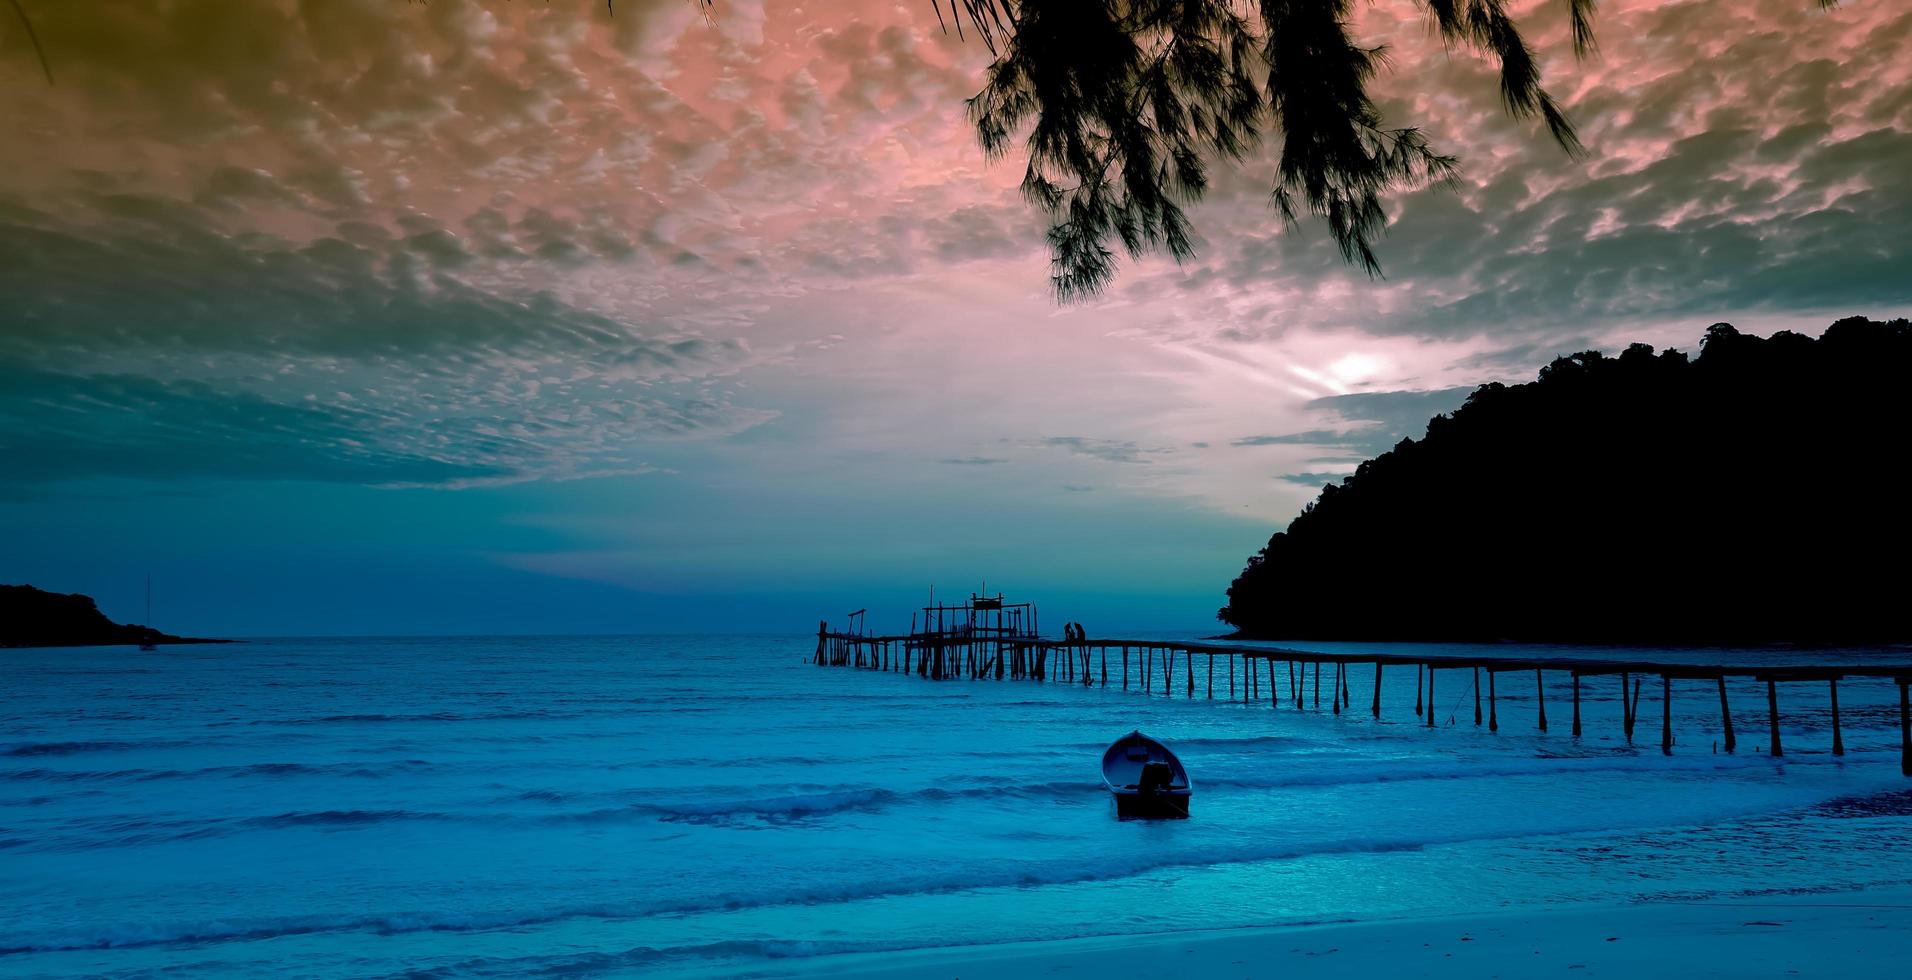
{"x":1756,"y":493}
{"x":30,"y":617}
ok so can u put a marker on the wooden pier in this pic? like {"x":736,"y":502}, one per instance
{"x":997,"y":641}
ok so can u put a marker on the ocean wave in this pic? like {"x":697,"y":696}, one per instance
{"x":132,"y":831}
{"x":1244,"y":742}
{"x":799,"y":806}
{"x":641,"y":957}
{"x":31,"y":750}
{"x":338,"y":818}
{"x":373,"y":718}
{"x":938,"y":879}
{"x":375,"y":770}
{"x":932,"y":878}
{"x":74,"y":775}
{"x":1346,"y":773}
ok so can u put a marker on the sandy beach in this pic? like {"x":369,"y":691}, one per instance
{"x":1848,"y":934}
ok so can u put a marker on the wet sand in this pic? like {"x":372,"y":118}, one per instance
{"x":1848,"y":934}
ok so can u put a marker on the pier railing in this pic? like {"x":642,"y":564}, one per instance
{"x":996,"y":654}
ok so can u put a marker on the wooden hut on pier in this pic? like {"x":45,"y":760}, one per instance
{"x":983,"y":636}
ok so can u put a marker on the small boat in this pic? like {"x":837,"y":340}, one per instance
{"x":1146,"y":779}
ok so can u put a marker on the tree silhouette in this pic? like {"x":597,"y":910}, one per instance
{"x":1753,"y":494}
{"x":1121,"y":106}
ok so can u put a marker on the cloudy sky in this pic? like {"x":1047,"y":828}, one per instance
{"x":373,"y":316}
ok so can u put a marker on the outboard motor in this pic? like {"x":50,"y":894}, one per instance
{"x":1156,"y":778}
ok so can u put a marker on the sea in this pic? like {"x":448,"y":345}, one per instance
{"x":716,"y":806}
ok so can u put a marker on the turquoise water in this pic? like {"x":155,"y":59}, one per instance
{"x":667,"y":805}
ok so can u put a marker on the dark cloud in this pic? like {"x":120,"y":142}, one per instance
{"x":1386,"y":417}
{"x":1107,"y":450}
{"x":55,"y":427}
{"x":147,"y":341}
{"x":1313,"y":479}
{"x":163,"y":274}
{"x":1313,"y":437}
{"x":1374,"y":421}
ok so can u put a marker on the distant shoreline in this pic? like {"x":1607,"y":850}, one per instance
{"x":164,"y":641}
{"x":31,"y":618}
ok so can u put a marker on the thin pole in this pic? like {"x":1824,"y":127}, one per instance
{"x":1772,"y":712}
{"x":1493,"y":712}
{"x":1317,"y":698}
{"x":1430,"y":696}
{"x":1417,"y":690}
{"x":1838,"y":743}
{"x":1540,"y":697}
{"x":1377,"y":690}
{"x":1576,"y":705}
{"x":1626,"y":706}
{"x":1905,"y":730}
{"x":1477,"y":696}
{"x":1726,"y":715}
{"x":1335,"y":695}
{"x":1343,"y":672}
{"x":1666,"y":715}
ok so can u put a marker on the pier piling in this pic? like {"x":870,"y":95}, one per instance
{"x":1626,"y":705}
{"x":1905,"y":728}
{"x":1772,"y":712}
{"x":1666,"y":715}
{"x":981,"y":639}
{"x":1838,"y":742}
{"x":1726,"y":716}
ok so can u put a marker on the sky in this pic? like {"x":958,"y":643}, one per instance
{"x":368,"y":316}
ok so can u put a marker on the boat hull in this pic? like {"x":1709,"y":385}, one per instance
{"x":1151,"y":806}
{"x":1146,"y":780}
